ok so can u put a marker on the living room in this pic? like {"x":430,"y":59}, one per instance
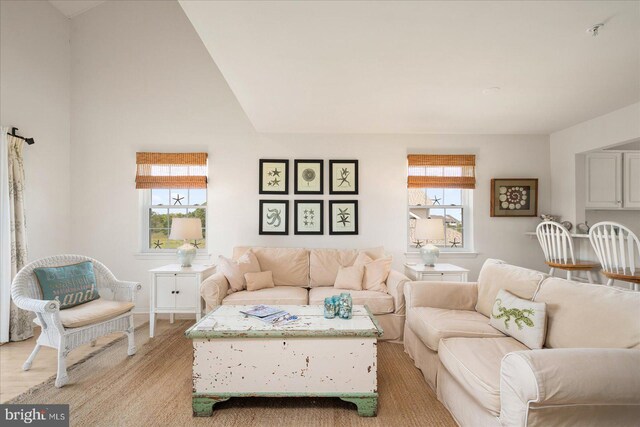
{"x":542,"y":96}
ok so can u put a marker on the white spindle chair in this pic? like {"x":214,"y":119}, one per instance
{"x":557,"y":246}
{"x":27,"y":295}
{"x":617,"y":248}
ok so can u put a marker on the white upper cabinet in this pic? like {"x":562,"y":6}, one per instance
{"x":604,"y":180}
{"x":613,"y":180}
{"x":631,"y":184}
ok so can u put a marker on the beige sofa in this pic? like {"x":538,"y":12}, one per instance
{"x":306,"y":276}
{"x":588,"y":374}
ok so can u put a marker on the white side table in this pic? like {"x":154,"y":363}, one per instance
{"x":176,"y":289}
{"x":438,"y":273}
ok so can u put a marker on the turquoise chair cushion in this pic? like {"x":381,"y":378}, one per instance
{"x":71,"y":285}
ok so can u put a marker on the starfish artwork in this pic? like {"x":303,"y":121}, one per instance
{"x":196,"y":244}
{"x":275,"y":172}
{"x":178,"y":199}
{"x":344,"y":177}
{"x":343,"y":216}
{"x":455,"y":243}
{"x":419,"y":244}
{"x":157,"y":244}
{"x":275,"y":181}
{"x":436,"y":200}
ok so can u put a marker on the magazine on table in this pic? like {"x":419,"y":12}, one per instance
{"x":270,"y":315}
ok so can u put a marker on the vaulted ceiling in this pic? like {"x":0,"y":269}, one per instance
{"x":423,"y":67}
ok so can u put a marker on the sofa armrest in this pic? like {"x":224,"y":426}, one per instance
{"x":451,"y":295}
{"x":567,"y":377}
{"x":395,"y":288}
{"x":214,"y":289}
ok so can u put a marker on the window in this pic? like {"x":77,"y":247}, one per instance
{"x":441,"y":187}
{"x":174,"y":185}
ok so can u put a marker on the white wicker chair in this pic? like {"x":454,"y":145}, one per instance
{"x":27,"y":295}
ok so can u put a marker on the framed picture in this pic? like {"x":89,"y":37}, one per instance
{"x":274,"y":217}
{"x":308,"y":217}
{"x":309,"y":176}
{"x":274,"y":176}
{"x":343,"y":217}
{"x":343,"y":177}
{"x":514,"y":197}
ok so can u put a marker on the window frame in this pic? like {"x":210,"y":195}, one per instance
{"x":467,"y":223}
{"x":144,"y":206}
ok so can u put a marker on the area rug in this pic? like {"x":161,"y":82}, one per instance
{"x":153,"y":388}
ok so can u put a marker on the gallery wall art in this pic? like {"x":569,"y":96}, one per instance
{"x":343,"y":177}
{"x":274,"y":176}
{"x":514,"y":197}
{"x":309,"y":177}
{"x":274,"y":217}
{"x":308,"y":217}
{"x":343,"y":217}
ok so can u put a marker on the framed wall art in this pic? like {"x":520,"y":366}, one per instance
{"x":274,"y":217}
{"x":308,"y":176}
{"x":343,"y":217}
{"x":308,"y":217}
{"x":514,"y":197}
{"x":343,"y":177}
{"x":274,"y":176}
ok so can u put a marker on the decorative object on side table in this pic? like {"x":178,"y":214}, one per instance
{"x":186,"y":229}
{"x":309,"y":176}
{"x":343,"y":177}
{"x":308,"y":217}
{"x":274,"y":176}
{"x":547,"y":217}
{"x":514,"y":197}
{"x":567,"y":225}
{"x":274,"y":217}
{"x":429,"y":229}
{"x":343,"y":217}
{"x":583,"y":228}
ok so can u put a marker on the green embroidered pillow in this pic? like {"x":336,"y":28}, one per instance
{"x":519,"y":318}
{"x":70,"y":284}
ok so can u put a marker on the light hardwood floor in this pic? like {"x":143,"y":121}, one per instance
{"x":14,"y":381}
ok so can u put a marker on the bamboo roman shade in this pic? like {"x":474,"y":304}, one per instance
{"x":442,"y":171}
{"x":171,"y":170}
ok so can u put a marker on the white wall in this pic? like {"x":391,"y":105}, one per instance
{"x":567,"y":191}
{"x":143,"y":81}
{"x":35,"y":87}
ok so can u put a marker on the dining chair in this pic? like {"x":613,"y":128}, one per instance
{"x":617,"y":248}
{"x":557,"y":246}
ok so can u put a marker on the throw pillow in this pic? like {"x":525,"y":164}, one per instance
{"x":257,"y":281}
{"x":519,"y":318}
{"x":234,"y":271}
{"x":350,"y":278}
{"x":375,"y":272}
{"x":71,"y":285}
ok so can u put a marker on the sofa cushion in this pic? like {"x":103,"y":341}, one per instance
{"x":257,"y":281}
{"x":289,"y":266}
{"x":586,"y":315}
{"x":350,"y":278}
{"x":280,"y":295}
{"x":235,"y":269}
{"x":96,"y":311}
{"x":378,"y":302}
{"x":475,"y":364}
{"x":325,"y":263}
{"x":496,"y":275}
{"x":520,"y":318}
{"x":433,"y":324}
{"x":375,"y":272}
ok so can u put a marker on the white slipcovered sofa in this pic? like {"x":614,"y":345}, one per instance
{"x":306,"y":276}
{"x":587,"y":374}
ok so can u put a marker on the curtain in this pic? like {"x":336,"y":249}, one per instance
{"x":20,"y":321}
{"x":5,"y":238}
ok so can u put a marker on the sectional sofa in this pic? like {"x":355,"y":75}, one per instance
{"x":306,"y":276}
{"x":587,"y":374}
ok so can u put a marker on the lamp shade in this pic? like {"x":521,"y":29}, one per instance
{"x":429,"y":229}
{"x":186,"y":229}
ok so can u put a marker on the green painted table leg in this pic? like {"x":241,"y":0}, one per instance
{"x":367,"y":406}
{"x":203,"y":406}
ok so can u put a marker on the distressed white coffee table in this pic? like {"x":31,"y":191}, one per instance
{"x":313,"y":356}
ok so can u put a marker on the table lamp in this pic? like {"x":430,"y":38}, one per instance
{"x":429,"y":229}
{"x":186,"y":229}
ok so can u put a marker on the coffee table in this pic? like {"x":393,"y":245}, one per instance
{"x":313,"y":356}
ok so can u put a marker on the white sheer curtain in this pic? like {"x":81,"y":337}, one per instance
{"x":5,"y":238}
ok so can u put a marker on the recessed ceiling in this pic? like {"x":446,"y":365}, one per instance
{"x":423,"y":67}
{"x":71,"y":8}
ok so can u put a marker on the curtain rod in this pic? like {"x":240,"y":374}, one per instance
{"x":13,"y":133}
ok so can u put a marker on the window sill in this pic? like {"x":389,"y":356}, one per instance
{"x":168,"y":255}
{"x":443,"y":255}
